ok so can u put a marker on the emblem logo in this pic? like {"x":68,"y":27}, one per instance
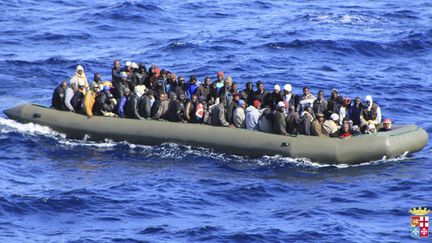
{"x":420,"y":222}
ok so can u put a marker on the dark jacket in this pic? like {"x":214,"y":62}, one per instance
{"x":115,"y":76}
{"x":354,"y":114}
{"x":247,"y":96}
{"x":293,"y":101}
{"x":104,"y":103}
{"x":57,"y":101}
{"x":333,"y":106}
{"x":189,"y":112}
{"x":293,"y":122}
{"x":119,"y":89}
{"x":77,"y":101}
{"x":144,"y":106}
{"x":263,"y":97}
{"x":320,"y":106}
{"x":280,"y":122}
{"x":230,"y":111}
{"x":273,"y":99}
{"x":175,"y":111}
{"x":131,"y":107}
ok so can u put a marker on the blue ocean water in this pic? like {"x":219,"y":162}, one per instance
{"x":57,"y":190}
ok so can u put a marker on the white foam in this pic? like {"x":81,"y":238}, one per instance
{"x":8,"y":125}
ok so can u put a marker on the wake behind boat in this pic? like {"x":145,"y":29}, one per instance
{"x":353,"y":150}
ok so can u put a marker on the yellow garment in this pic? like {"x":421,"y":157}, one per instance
{"x":89,"y":101}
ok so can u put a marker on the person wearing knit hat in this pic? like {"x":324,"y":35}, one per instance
{"x":79,"y":76}
{"x":275,"y":97}
{"x":370,"y":114}
{"x":289,"y":98}
{"x":239,"y":118}
{"x":330,"y":127}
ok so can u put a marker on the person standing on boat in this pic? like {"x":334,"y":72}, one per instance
{"x":79,"y":76}
{"x":275,"y":97}
{"x":220,"y":81}
{"x":354,"y":111}
{"x":247,"y":93}
{"x":261,"y":94}
{"x":370,"y":114}
{"x":218,"y":114}
{"x":344,"y":109}
{"x":306,"y":100}
{"x":191,"y":86}
{"x":115,"y":72}
{"x":320,"y":104}
{"x":334,"y":103}
{"x":58,"y":97}
{"x":253,"y":114}
{"x":181,"y":86}
{"x":280,"y":119}
{"x":289,"y":98}
{"x":145,"y":104}
{"x":204,"y":89}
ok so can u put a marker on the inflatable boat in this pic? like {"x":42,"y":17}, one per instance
{"x":399,"y":141}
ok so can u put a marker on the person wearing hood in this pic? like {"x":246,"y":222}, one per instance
{"x":239,"y":117}
{"x":97,"y":79}
{"x":121,"y":86}
{"x":334,"y":103}
{"x":220,"y":81}
{"x":261,"y":94}
{"x":289,"y":98}
{"x":293,"y":120}
{"x":306,"y":100}
{"x":248,"y":93}
{"x":218,"y":114}
{"x":115,"y":72}
{"x":204,"y":89}
{"x":306,"y":121}
{"x":79,"y":77}
{"x":90,"y":100}
{"x":145,"y":104}
{"x":371,"y":113}
{"x":176,"y":109}
{"x":154,"y":78}
{"x":344,"y":109}
{"x":190,"y":110}
{"x":253,"y":114}
{"x":160,"y":107}
{"x":275,"y":97}
{"x":231,"y":107}
{"x":106,"y":102}
{"x":320,"y":104}
{"x":280,"y":119}
{"x":354,"y":111}
{"x":191,"y":86}
{"x":317,"y":125}
{"x":181,"y":87}
{"x":78,"y":97}
{"x":58,"y":97}
{"x":131,"y":108}
{"x":330,"y":127}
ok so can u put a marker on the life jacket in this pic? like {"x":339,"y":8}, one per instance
{"x":199,"y":111}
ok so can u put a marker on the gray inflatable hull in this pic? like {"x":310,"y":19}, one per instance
{"x":354,"y":150}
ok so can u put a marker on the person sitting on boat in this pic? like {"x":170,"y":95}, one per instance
{"x":275,"y":97}
{"x":106,"y":102}
{"x":220,"y":81}
{"x":306,"y":100}
{"x":345,"y":131}
{"x":265,"y":122}
{"x":280,"y":119}
{"x":239,"y":117}
{"x":58,"y":97}
{"x":293,"y":120}
{"x":141,"y":74}
{"x":247,"y":93}
{"x":204,"y":89}
{"x":79,"y":76}
{"x":176,"y":108}
{"x":190,"y":109}
{"x":231,"y":107}
{"x":160,"y":107}
{"x":253,"y":114}
{"x":131,"y":108}
{"x":370,"y":114}
{"x":306,"y":121}
{"x":90,"y":100}
{"x":115,"y":72}
{"x":119,"y":89}
{"x":261,"y":94}
{"x":330,"y":127}
{"x":387,"y":125}
{"x":69,"y":93}
{"x":78,"y":97}
{"x":145,"y":104}
{"x":334,"y":103}
{"x":355,"y":111}
{"x":154,"y":77}
{"x":320,"y":104}
{"x":289,"y":98}
{"x":344,"y":109}
{"x":317,"y":125}
{"x":218,"y":114}
{"x":97,"y":78}
{"x":191,"y":86}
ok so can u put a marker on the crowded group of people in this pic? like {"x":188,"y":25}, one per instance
{"x":136,"y":92}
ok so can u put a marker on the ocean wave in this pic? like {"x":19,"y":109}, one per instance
{"x":341,"y":19}
{"x":48,"y":36}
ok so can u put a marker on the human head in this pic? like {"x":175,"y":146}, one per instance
{"x":241,"y":103}
{"x":249,"y":86}
{"x":346,"y":127}
{"x":306,"y":91}
{"x":228,"y":81}
{"x":260,"y":86}
{"x":346,"y":102}
{"x":150,"y":93}
{"x":134,"y":66}
{"x":334,"y":93}
{"x":181,"y":80}
{"x":207,"y":81}
{"x":276,"y":89}
{"x":220,"y":76}
{"x":194,"y":98}
{"x":369,"y":100}
{"x":141,"y":67}
{"x":182,"y":97}
{"x":127,"y":91}
{"x":123,"y":76}
{"x":280,"y":106}
{"x":291,"y":108}
{"x":63,"y":84}
{"x":234,"y":86}
{"x":139,"y":90}
{"x":236,"y":97}
{"x":257,"y":104}
{"x":320,"y":95}
{"x":287,"y":88}
{"x":163,"y":73}
{"x":334,"y":117}
{"x":156,"y":72}
{"x":357,"y":101}
{"x":97,"y":77}
{"x":106,"y":89}
{"x":387,"y":124}
{"x":193,"y":79}
{"x":117,"y":64}
{"x":95,"y":87}
{"x":79,"y":69}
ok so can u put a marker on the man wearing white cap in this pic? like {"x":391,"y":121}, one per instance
{"x":275,"y":97}
{"x":330,"y":127}
{"x":289,"y":98}
{"x":279,"y":119}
